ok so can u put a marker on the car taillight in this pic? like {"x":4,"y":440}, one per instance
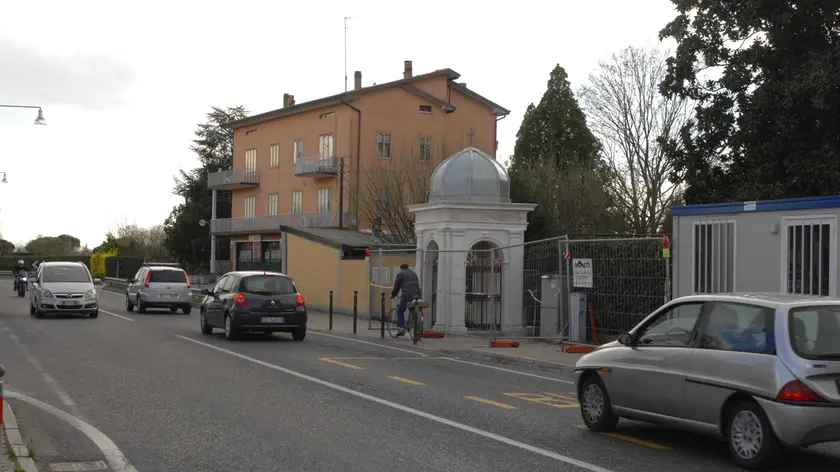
{"x":187,"y":278}
{"x":240,"y":299}
{"x":300,"y":301}
{"x":148,"y":279}
{"x":796,"y":391}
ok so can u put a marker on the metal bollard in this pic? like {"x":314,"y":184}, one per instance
{"x":355,"y":309}
{"x":382,"y":316}
{"x":331,"y":308}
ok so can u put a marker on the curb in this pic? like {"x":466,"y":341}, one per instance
{"x":517,"y":360}
{"x":21,"y":452}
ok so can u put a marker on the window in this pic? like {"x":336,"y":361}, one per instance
{"x":426,"y":109}
{"x":815,"y":331}
{"x":250,"y":207}
{"x":267,"y":285}
{"x":220,"y":284}
{"x":741,"y":328}
{"x":325,"y":145}
{"x":250,"y":164}
{"x":271,"y":251}
{"x":274,"y":155}
{"x":297,"y":150}
{"x":808,"y":258}
{"x":169,"y":276}
{"x":383,"y":146}
{"x":328,"y":114}
{"x":381,"y":200}
{"x":297,"y":202}
{"x":231,"y":279}
{"x":272,"y":204}
{"x":714,"y":256}
{"x":424,"y":145}
{"x":325,"y":200}
{"x":66,"y":273}
{"x":672,"y":328}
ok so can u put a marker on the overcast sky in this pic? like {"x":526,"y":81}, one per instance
{"x":123,"y":87}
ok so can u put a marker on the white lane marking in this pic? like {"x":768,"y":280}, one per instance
{"x":118,"y":316}
{"x":13,"y":336}
{"x":396,"y":406}
{"x":62,"y":395}
{"x":116,"y":459}
{"x":421,"y":354}
{"x":543,"y":377}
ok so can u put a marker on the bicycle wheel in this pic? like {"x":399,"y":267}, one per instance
{"x":416,"y":326}
{"x":391,"y":323}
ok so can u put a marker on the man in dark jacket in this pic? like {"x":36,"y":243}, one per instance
{"x":407,"y":282}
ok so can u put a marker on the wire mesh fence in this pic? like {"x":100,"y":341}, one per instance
{"x":384,"y":266}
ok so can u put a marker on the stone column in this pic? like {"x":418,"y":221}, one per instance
{"x":456,"y":268}
{"x":512,"y":277}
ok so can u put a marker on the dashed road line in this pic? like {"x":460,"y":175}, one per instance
{"x":631,"y":439}
{"x":491,"y":402}
{"x":405,"y":380}
{"x":118,"y":316}
{"x":318,"y":333}
{"x":411,"y":411}
{"x":342,"y":364}
{"x":547,"y":399}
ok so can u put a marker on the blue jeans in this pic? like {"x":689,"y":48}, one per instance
{"x":401,"y":312}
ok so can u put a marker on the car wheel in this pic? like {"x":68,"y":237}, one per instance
{"x":187,"y":309}
{"x":750,"y":437}
{"x":128,"y":305}
{"x":38,"y":313}
{"x":205,"y":328}
{"x":31,"y":308}
{"x":95,"y":314}
{"x":595,"y":406}
{"x":230,"y":330}
{"x":299,"y":334}
{"x":141,"y":307}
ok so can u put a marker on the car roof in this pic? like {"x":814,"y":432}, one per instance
{"x":164,"y":268}
{"x":773,"y":300}
{"x":62,"y":263}
{"x":256,"y":272}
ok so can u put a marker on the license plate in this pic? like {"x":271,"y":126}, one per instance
{"x":167,"y":295}
{"x":69,"y":302}
{"x":273,"y":319}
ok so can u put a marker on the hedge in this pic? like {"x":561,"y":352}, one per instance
{"x":9,"y":262}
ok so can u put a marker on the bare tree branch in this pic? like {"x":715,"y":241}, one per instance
{"x":627,"y":113}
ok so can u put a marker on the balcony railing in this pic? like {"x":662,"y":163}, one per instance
{"x":273,"y":223}
{"x":233,"y":179}
{"x":316,"y":167}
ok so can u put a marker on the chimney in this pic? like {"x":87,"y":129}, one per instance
{"x":291,"y":100}
{"x":286,"y":100}
{"x":358,"y":77}
{"x":407,"y":70}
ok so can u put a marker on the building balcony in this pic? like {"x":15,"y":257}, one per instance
{"x":233,"y":179}
{"x":272,"y":223}
{"x":317,"y":167}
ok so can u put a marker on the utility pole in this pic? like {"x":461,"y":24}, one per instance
{"x":345,"y":50}
{"x":341,"y":193}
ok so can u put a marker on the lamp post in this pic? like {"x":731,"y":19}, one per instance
{"x":38,"y":121}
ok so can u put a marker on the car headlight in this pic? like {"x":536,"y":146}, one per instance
{"x":47,"y":294}
{"x":91,"y":293}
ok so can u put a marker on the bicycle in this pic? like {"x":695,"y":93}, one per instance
{"x":413,"y":319}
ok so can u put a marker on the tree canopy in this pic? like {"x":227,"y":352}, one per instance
{"x":557,"y":165}
{"x":764,"y":75}
{"x":53,"y":245}
{"x":213,"y":145}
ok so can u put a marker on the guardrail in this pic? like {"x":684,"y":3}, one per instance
{"x":122,"y":282}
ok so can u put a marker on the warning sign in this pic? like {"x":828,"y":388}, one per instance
{"x":582,"y":273}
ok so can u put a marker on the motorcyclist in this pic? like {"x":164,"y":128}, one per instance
{"x":19,"y":271}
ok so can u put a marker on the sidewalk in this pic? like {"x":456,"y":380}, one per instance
{"x":14,"y":443}
{"x":529,"y":353}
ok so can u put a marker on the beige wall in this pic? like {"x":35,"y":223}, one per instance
{"x":314,"y":267}
{"x":391,"y":110}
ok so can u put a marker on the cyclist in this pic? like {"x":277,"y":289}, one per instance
{"x":407,"y":282}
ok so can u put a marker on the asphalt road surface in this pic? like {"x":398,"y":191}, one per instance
{"x":156,"y":395}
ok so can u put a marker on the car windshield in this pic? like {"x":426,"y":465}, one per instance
{"x":815,"y":331}
{"x":267,"y":285}
{"x":168,"y":276}
{"x":73,"y":273}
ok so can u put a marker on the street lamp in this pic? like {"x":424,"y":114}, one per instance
{"x":38,"y":121}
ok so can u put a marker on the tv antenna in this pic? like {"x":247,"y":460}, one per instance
{"x":345,"y":49}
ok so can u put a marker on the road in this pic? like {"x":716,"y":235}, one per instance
{"x":171,"y":399}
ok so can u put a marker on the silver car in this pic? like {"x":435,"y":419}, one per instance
{"x":159,"y":286}
{"x":759,"y":371}
{"x":63,"y":287}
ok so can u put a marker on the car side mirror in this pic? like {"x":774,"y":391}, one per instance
{"x":625,"y":339}
{"x":131,"y":281}
{"x":205,"y":291}
{"x":97,"y":280}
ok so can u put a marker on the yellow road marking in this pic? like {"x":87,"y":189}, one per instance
{"x":404,"y":380}
{"x":343,"y":364}
{"x":549,"y":399}
{"x":491,"y":402}
{"x":631,"y":439}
